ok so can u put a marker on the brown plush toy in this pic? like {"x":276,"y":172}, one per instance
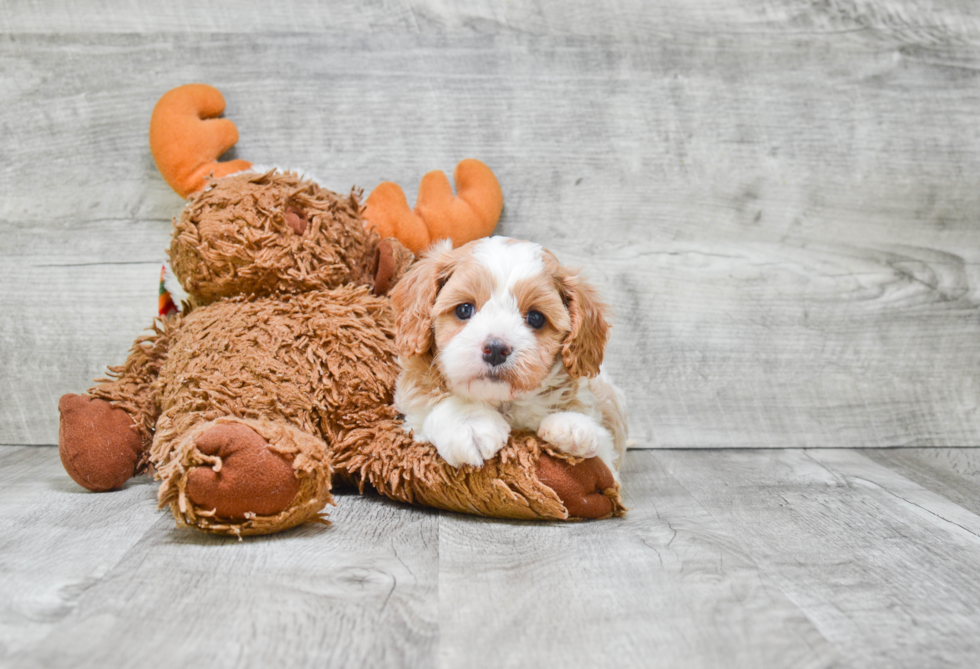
{"x":278,"y":377}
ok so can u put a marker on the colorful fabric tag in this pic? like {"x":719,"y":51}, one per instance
{"x":167,"y":306}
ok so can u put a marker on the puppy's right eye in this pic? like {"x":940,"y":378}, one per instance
{"x":464,"y":311}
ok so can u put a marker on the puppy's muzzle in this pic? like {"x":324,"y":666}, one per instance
{"x":495,"y":352}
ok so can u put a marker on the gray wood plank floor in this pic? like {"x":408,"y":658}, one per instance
{"x":728,"y":558}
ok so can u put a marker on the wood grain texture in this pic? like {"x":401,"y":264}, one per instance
{"x":953,"y":473}
{"x":861,"y":550}
{"x":56,"y":542}
{"x":779,"y":199}
{"x":666,"y":586}
{"x":935,"y":22}
{"x":98,"y":591}
{"x":728,"y":558}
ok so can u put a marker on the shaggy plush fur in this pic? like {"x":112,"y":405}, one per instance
{"x":280,"y":376}
{"x":258,"y":234}
{"x":510,"y":485}
{"x":306,"y":370}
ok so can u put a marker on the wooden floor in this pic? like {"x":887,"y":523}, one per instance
{"x":779,"y":198}
{"x":737,"y":558}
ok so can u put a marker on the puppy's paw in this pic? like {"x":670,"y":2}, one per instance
{"x":465,"y":434}
{"x":575,"y":434}
{"x":474,"y":439}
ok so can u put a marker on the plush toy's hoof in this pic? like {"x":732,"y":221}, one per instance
{"x":251,"y":479}
{"x":99,"y":444}
{"x":580,"y":486}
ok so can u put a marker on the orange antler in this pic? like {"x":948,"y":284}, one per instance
{"x":471,"y":214}
{"x":186,"y":138}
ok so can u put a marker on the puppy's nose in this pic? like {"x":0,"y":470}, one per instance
{"x":495,"y":352}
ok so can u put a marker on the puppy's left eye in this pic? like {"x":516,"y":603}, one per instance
{"x":464,"y":311}
{"x":535,"y":319}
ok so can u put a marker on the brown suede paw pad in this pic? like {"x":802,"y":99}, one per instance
{"x":251,"y":479}
{"x":580,"y":486}
{"x":99,"y":444}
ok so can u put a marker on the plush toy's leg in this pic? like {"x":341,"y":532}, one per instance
{"x":581,"y":485}
{"x":99,"y":444}
{"x":521,"y":481}
{"x":252,"y":477}
{"x":104,"y":437}
{"x":241,"y":476}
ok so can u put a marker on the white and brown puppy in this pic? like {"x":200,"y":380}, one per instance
{"x":497,"y":336}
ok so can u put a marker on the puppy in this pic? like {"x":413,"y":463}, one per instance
{"x":497,"y":336}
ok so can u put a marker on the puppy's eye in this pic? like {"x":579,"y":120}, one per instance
{"x":464,"y":311}
{"x":535,"y":319}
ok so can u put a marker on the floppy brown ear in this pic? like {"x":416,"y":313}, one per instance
{"x":585,"y":344}
{"x":414,"y":295}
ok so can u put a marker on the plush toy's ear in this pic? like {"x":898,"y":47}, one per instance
{"x":471,"y":214}
{"x":413,"y":297}
{"x":391,"y":261}
{"x":186,"y":138}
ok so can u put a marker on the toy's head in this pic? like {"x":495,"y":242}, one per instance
{"x":247,"y":231}
{"x":254,"y":232}
{"x":258,"y":233}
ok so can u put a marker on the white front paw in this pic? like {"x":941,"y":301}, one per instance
{"x":465,"y":434}
{"x":574,"y":433}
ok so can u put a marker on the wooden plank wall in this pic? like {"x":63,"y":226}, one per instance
{"x":779,"y":198}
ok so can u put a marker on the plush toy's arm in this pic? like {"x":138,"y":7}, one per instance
{"x":522,"y":481}
{"x":105,"y":436}
{"x":187,"y":137}
{"x":471,"y":214}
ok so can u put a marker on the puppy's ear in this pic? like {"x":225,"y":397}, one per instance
{"x":585,"y":344}
{"x":414,"y":295}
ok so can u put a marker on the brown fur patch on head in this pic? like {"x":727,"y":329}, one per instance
{"x":540,"y":293}
{"x":583,"y":348}
{"x":414,"y":297}
{"x":470,"y":283}
{"x":256,"y":234}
